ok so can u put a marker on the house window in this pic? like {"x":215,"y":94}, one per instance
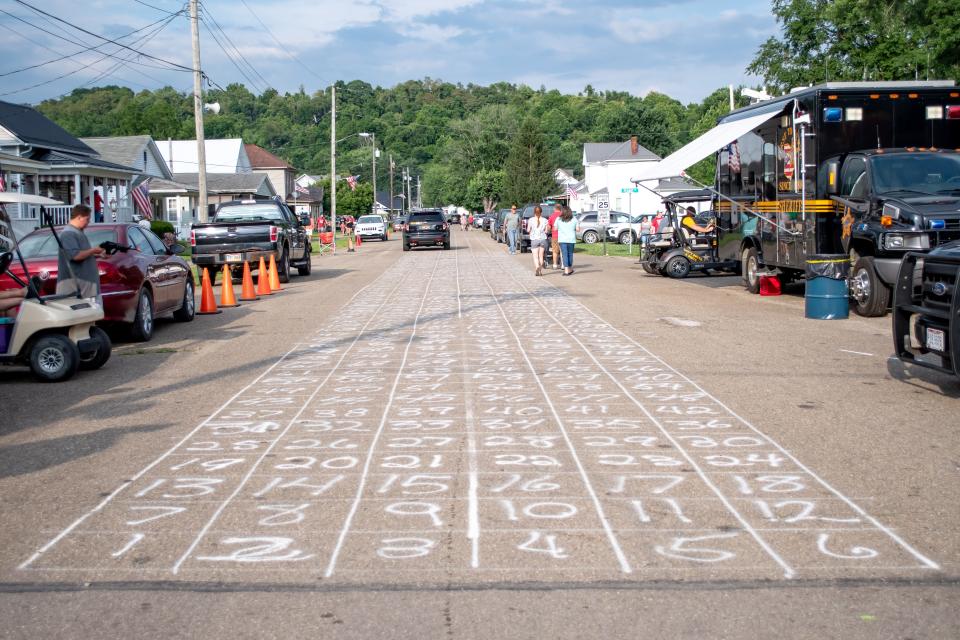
{"x":144,"y":160}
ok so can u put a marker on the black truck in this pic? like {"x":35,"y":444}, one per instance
{"x":871,"y":170}
{"x":247,"y":230}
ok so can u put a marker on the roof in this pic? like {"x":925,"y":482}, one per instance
{"x":383,"y":198}
{"x":127,"y":150}
{"x":223,"y":156}
{"x":34,"y":128}
{"x":596,"y":152}
{"x":314,"y":194}
{"x":61,"y":158}
{"x":673,"y":184}
{"x":216,"y":183}
{"x":260,"y":158}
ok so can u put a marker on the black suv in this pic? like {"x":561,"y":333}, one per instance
{"x":426,"y":229}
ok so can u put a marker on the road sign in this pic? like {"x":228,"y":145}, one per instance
{"x":603,"y":216}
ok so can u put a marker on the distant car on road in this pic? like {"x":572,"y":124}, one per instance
{"x":371,"y":226}
{"x":139,"y":282}
{"x":453,"y":218}
{"x":590,"y":232}
{"x":398,"y":223}
{"x":426,"y":228}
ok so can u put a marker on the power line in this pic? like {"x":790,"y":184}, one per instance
{"x":95,"y":35}
{"x":167,"y":11}
{"x":109,"y":72}
{"x":231,"y":57}
{"x":235,"y":47}
{"x":280,"y":44}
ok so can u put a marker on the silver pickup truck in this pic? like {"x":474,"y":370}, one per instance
{"x":247,"y":230}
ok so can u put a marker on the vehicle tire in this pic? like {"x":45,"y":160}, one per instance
{"x":750,"y":270}
{"x":142,"y":329}
{"x":591,"y":237}
{"x":677,"y":267}
{"x":54,"y":358}
{"x":100,"y":357}
{"x":649,"y":268}
{"x":626,"y":238}
{"x":283,"y":267}
{"x":446,"y":245}
{"x":188,"y":307}
{"x":385,"y":237}
{"x":870,"y":296}
{"x":406,"y":247}
{"x":307,"y":266}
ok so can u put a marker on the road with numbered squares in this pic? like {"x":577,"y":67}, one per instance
{"x":460,"y":424}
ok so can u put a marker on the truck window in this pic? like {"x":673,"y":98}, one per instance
{"x":769,"y":171}
{"x":266,"y":212}
{"x":852,"y":180}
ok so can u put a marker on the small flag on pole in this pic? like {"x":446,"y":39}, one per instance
{"x":141,"y":198}
{"x":302,"y":190}
{"x":572,"y":193}
{"x":352,"y":181}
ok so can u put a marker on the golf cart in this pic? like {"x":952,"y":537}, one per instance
{"x":55,"y":335}
{"x":675,"y":251}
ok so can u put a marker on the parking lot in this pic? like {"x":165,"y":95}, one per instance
{"x":438,"y":422}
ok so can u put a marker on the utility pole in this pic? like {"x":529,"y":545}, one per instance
{"x":419,"y":193}
{"x":198,"y":113}
{"x":373,"y":138}
{"x":391,"y":183}
{"x":409,"y":179}
{"x":333,"y":163}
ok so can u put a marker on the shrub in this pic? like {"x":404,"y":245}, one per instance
{"x":161,"y":227}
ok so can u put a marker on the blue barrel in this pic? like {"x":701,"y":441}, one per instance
{"x":827,"y":295}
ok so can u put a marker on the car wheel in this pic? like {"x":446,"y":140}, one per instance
{"x":870,"y":296}
{"x":649,"y":268}
{"x":307,"y":266}
{"x":446,"y":245}
{"x":591,"y":237}
{"x":54,"y":358}
{"x":142,"y":329}
{"x":406,"y":247}
{"x":283,"y":268}
{"x":678,"y":267}
{"x":626,"y":238}
{"x":750,"y":267}
{"x":188,"y":307}
{"x":101,"y":355}
{"x":385,"y":237}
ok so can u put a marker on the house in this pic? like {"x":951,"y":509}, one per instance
{"x":138,"y":152}
{"x":609,"y":168}
{"x":280,"y":172}
{"x":222,"y":156}
{"x":387,"y":209}
{"x":573,"y":192}
{"x":305,"y":180}
{"x":39,"y":157}
{"x":181,"y":194}
{"x":307,"y":200}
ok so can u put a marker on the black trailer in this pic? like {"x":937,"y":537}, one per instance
{"x":868,"y":169}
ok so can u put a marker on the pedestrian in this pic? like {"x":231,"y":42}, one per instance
{"x":538,"y":228}
{"x":567,"y":236}
{"x":348,"y":227}
{"x":554,"y":243}
{"x":657,"y":223}
{"x":97,"y":206}
{"x":77,"y":260}
{"x":469,"y":221}
{"x":646,"y":227}
{"x":512,"y":224}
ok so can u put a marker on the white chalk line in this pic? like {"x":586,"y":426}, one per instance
{"x":183,"y":441}
{"x":611,"y":536}
{"x":916,"y":554}
{"x":331,"y":566}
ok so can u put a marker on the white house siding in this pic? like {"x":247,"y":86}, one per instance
{"x":615,"y":176}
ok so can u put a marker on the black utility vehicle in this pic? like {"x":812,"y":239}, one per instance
{"x":246,"y":230}
{"x":426,"y":228}
{"x":926,"y":309}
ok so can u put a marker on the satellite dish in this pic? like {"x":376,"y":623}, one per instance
{"x":212,"y":107}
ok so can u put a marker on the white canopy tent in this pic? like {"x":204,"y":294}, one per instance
{"x":720,"y":136}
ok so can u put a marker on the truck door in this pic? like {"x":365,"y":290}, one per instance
{"x":767,"y":228}
{"x":853,"y":187}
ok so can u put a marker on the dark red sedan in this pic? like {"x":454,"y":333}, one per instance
{"x":139,"y":284}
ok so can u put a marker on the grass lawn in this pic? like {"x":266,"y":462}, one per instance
{"x":613,"y":249}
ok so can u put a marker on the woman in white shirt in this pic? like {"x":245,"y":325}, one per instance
{"x":537,"y":228}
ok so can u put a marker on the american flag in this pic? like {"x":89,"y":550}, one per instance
{"x":572,"y":193}
{"x":352,"y":181}
{"x":302,"y":190}
{"x":734,"y":150}
{"x":141,"y":198}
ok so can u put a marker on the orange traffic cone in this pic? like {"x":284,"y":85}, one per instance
{"x":227,"y":299}
{"x":208,"y":305}
{"x":263,"y":284}
{"x":247,"y":292}
{"x":274,"y":276}
{"x":359,"y":241}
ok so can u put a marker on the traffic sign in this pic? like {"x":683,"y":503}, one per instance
{"x":603,"y":216}
{"x":603,"y":202}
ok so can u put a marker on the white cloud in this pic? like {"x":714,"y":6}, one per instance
{"x":408,"y":10}
{"x":642,"y":30}
{"x":430,"y":32}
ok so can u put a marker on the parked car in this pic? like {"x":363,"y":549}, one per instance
{"x":624,"y":233}
{"x":371,"y":226}
{"x":478,"y":220}
{"x":398,"y":223}
{"x":497,"y":232}
{"x":488,"y":218}
{"x":453,"y":218}
{"x":246,"y":230}
{"x":426,"y":228}
{"x":525,"y":214}
{"x":139,"y":282}
{"x":589,"y":231}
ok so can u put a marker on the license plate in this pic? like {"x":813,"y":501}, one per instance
{"x":936,"y":340}
{"x":233,"y":257}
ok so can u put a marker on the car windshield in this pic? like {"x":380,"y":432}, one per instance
{"x":370,"y":220}
{"x":919,"y":173}
{"x":249,"y":213}
{"x":42,"y":244}
{"x":426,"y":217}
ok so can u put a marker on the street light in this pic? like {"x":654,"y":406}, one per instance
{"x":373,"y":140}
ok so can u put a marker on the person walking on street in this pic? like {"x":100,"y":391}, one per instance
{"x":537,"y":227}
{"x":348,"y":227}
{"x":567,"y":236}
{"x":77,"y":260}
{"x":512,"y":225}
{"x":554,"y":243}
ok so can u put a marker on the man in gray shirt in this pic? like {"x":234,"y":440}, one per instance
{"x":77,"y":261}
{"x":512,"y":224}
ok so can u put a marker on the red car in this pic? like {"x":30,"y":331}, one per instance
{"x":139,"y":284}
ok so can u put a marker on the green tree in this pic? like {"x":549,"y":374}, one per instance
{"x":485,"y":189}
{"x":529,"y":172}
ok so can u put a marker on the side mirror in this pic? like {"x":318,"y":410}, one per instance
{"x":833,"y":177}
{"x":305,"y":220}
{"x":176,"y":249}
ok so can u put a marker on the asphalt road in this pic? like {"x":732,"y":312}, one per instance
{"x":438,"y":444}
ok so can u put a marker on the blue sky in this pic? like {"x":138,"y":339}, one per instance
{"x":684,"y":48}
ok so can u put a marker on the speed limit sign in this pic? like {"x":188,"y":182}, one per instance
{"x":603,"y":209}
